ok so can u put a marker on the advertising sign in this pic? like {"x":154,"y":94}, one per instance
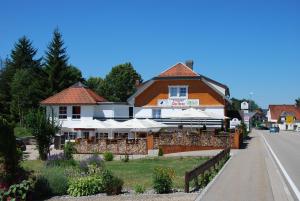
{"x":289,"y":119}
{"x":244,"y":105}
{"x":178,"y":102}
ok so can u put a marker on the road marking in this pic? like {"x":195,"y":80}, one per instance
{"x":288,"y":178}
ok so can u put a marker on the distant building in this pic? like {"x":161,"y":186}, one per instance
{"x":286,"y":116}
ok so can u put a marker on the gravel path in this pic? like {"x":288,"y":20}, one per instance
{"x":143,"y":197}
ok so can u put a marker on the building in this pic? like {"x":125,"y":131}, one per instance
{"x":286,"y":116}
{"x":177,"y":88}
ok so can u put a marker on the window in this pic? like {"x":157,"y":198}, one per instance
{"x":173,"y":91}
{"x":182,"y":92}
{"x":76,"y":112}
{"x":156,"y":113}
{"x":62,"y":112}
{"x":130,"y":112}
{"x":70,"y":135}
{"x":86,"y":135}
{"x":178,"y":92}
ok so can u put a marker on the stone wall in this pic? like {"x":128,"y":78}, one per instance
{"x":119,"y":146}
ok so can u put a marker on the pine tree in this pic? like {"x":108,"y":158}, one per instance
{"x":60,"y":74}
{"x":21,"y":57}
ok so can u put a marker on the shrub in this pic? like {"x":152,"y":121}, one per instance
{"x":41,"y":188}
{"x":112,"y":185}
{"x":84,"y":186}
{"x":163,"y":180}
{"x":69,"y":150}
{"x":92,"y":160}
{"x":160,"y":152}
{"x":108,"y":156}
{"x":139,"y":189}
{"x":57,"y":180}
{"x":126,"y":158}
{"x":59,"y":160}
{"x":17,"y":191}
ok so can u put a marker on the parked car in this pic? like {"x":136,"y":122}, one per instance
{"x":261,"y":127}
{"x":20,"y":144}
{"x":298,"y":129}
{"x":274,"y":130}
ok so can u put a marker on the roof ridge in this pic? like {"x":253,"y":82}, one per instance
{"x":56,"y":94}
{"x":181,"y":63}
{"x":89,"y":95}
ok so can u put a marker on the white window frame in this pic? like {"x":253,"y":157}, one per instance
{"x":178,"y":91}
{"x":62,"y":116}
{"x":77,"y":115}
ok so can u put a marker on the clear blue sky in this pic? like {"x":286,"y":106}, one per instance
{"x":252,"y":46}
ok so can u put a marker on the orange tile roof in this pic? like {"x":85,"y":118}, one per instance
{"x":277,"y":110}
{"x":178,"y":70}
{"x":74,"y":95}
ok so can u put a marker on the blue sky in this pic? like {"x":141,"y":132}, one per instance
{"x":252,"y":46}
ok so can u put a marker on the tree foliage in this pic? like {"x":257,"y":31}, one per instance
{"x":120,"y":83}
{"x":60,"y":74}
{"x":22,"y":57}
{"x":236,"y":104}
{"x":43,"y":128}
{"x":297,"y":101}
{"x":96,"y":84}
{"x":9,"y":155}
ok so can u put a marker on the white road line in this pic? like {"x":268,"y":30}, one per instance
{"x":287,"y":177}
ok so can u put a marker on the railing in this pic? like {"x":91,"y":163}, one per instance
{"x":201,"y":169}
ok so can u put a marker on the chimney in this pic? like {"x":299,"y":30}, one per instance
{"x":189,"y":63}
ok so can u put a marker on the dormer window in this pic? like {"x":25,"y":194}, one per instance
{"x":178,"y":91}
{"x":62,"y":112}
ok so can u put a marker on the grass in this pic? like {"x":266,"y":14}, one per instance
{"x":21,"y":132}
{"x":140,"y":171}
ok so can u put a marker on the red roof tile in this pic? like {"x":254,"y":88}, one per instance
{"x":178,"y":70}
{"x":74,"y":95}
{"x":277,"y":110}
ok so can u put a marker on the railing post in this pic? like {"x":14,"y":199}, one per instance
{"x":186,"y":183}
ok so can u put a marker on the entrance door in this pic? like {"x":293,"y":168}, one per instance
{"x":150,"y":142}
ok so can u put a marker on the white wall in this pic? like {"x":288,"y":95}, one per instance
{"x":112,"y":111}
{"x":145,"y":112}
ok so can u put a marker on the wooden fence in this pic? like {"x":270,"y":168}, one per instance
{"x":190,"y":175}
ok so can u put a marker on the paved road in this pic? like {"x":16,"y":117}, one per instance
{"x":250,"y":175}
{"x":286,"y":145}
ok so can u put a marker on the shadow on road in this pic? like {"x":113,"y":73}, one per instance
{"x":246,"y":141}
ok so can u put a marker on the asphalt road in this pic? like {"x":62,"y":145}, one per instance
{"x":286,"y":146}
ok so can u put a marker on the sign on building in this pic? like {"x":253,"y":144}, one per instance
{"x":178,"y":102}
{"x":244,"y":105}
{"x":289,"y":119}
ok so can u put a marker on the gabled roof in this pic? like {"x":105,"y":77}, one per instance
{"x":278,"y":110}
{"x":178,"y":70}
{"x":77,"y":94}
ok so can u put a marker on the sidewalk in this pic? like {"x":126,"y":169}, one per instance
{"x":249,"y":176}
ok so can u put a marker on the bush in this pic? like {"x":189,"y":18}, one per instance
{"x":126,"y":158}
{"x":163,"y":180}
{"x":69,"y":150}
{"x":108,"y":156}
{"x":84,"y":186}
{"x":17,"y":191}
{"x":112,"y":185}
{"x":57,"y":180}
{"x":41,"y":188}
{"x":59,"y":160}
{"x":92,"y":160}
{"x":139,"y":189}
{"x":160,"y":152}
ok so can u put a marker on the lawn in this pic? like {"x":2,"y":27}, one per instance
{"x":140,"y":171}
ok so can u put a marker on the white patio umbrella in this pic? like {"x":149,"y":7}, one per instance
{"x":86,"y":124}
{"x":113,"y":125}
{"x":216,"y":116}
{"x":154,"y":124}
{"x":190,"y":113}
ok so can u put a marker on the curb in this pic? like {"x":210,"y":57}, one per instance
{"x":204,"y":191}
